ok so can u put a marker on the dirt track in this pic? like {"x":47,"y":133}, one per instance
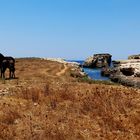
{"x":62,"y":71}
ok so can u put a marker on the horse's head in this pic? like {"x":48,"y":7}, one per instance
{"x":1,"y":57}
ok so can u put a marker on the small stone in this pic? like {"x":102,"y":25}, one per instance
{"x":16,"y":121}
{"x":35,"y":104}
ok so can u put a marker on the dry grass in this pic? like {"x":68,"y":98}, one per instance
{"x":44,"y":106}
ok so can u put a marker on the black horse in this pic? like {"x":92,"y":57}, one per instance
{"x":7,"y":62}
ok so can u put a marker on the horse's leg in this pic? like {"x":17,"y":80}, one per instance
{"x":0,"y":73}
{"x":3,"y":73}
{"x":13,"y":74}
{"x":10,"y":74}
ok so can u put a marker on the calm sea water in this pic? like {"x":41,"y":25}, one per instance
{"x":92,"y":73}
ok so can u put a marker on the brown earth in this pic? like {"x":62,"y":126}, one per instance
{"x":45,"y":103}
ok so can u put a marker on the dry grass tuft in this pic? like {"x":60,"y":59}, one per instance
{"x":33,"y":94}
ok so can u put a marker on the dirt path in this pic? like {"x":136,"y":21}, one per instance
{"x":62,"y":71}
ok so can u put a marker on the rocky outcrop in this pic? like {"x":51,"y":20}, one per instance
{"x":125,"y":80}
{"x":77,"y":73}
{"x":115,"y":63}
{"x":98,"y":61}
{"x":134,"y":57}
{"x":89,"y":62}
{"x":106,"y":71}
{"x":126,"y":72}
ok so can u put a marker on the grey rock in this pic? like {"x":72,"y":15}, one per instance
{"x":98,"y":61}
{"x":106,"y":71}
{"x":134,"y":57}
{"x":126,"y":72}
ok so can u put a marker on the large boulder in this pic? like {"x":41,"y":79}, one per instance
{"x":77,"y":72}
{"x":98,"y":61}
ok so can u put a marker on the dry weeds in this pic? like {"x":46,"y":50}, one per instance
{"x":42,"y":105}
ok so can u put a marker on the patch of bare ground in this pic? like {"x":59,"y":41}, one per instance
{"x":41,"y":104}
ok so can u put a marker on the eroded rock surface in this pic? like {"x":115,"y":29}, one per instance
{"x":126,"y":72}
{"x":134,"y":56}
{"x":98,"y":61}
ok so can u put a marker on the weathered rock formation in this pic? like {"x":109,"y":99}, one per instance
{"x":98,"y":61}
{"x":126,"y":72}
{"x":106,"y":71}
{"x":134,"y":57}
{"x":77,"y":73}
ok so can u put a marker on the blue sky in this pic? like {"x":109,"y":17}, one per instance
{"x":71,"y":29}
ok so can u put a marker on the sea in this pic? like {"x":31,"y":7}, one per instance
{"x":93,"y":73}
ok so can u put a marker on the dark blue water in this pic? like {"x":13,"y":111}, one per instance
{"x":92,"y":73}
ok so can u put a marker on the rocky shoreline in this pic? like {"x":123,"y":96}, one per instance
{"x":125,"y":72}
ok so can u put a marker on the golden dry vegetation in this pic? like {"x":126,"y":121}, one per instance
{"x":45,"y":103}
